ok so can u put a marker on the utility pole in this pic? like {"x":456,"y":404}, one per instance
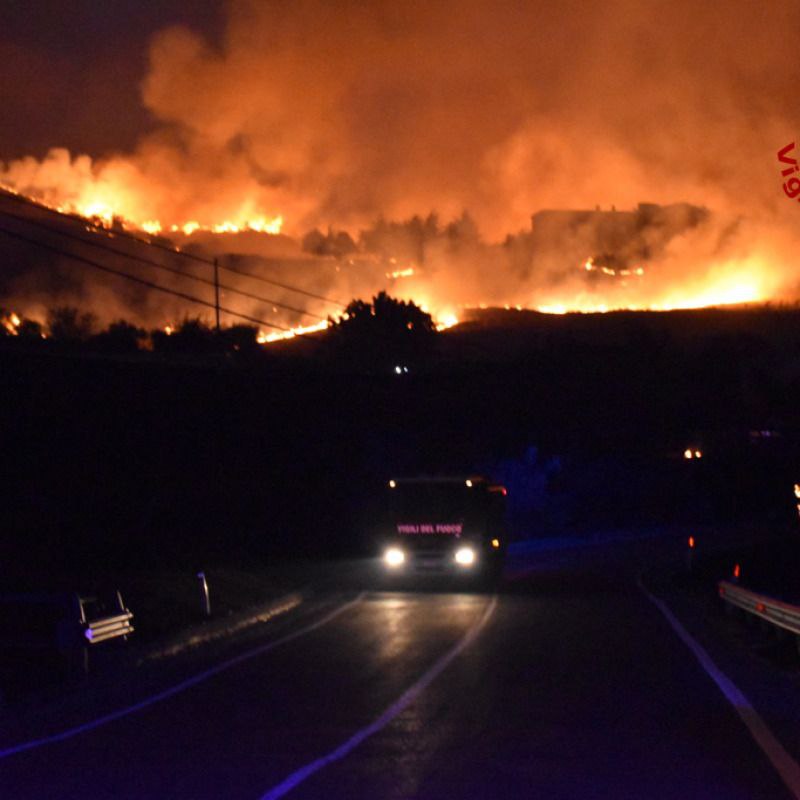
{"x":216,"y":291}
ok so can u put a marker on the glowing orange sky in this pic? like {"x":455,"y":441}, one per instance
{"x":332,"y":114}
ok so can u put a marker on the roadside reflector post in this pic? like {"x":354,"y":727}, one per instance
{"x":216,"y":295}
{"x":690,"y":551}
{"x":205,"y":600}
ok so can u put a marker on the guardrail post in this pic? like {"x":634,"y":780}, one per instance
{"x":71,"y":643}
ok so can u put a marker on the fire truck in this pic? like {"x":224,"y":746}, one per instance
{"x":443,"y":526}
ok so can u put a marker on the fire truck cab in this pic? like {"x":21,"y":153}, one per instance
{"x":443,"y":526}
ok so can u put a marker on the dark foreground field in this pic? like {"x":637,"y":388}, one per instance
{"x":113,"y":462}
{"x":569,"y":681}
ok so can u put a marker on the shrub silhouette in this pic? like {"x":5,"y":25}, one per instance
{"x":119,"y":337}
{"x":30,"y":329}
{"x":384,"y":332}
{"x":240,"y":339}
{"x":193,"y":336}
{"x":68,"y":324}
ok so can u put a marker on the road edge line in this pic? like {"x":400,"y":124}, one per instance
{"x":409,"y":695}
{"x":787,"y":768}
{"x":177,"y":688}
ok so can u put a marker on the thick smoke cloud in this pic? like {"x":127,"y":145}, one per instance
{"x":336,"y":113}
{"x":502,"y":109}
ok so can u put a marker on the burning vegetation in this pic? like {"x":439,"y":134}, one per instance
{"x":422,"y":260}
{"x":385,"y":328}
{"x":302,"y":145}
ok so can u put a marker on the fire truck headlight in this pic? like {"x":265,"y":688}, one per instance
{"x":465,"y":556}
{"x":394,"y":557}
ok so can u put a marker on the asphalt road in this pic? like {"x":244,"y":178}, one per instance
{"x":566,"y":683}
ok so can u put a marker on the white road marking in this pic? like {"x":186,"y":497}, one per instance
{"x":408,"y":697}
{"x":178,"y":687}
{"x":784,"y":764}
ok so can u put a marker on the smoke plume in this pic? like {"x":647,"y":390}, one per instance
{"x":337,"y":114}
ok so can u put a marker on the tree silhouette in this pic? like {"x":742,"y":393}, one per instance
{"x":384,"y":332}
{"x":192,"y":337}
{"x":335,"y":243}
{"x":241,"y":339}
{"x":119,"y":337}
{"x":30,"y":329}
{"x":68,"y":324}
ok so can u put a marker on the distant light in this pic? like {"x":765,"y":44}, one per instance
{"x":698,"y":454}
{"x":465,"y":556}
{"x":392,"y":484}
{"x":688,"y":454}
{"x":469,"y":483}
{"x":495,"y":543}
{"x":737,"y":571}
{"x":797,"y":490}
{"x":691,"y":542}
{"x":394,"y":557}
{"x":398,"y":370}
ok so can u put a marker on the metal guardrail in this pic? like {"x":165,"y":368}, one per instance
{"x":101,"y":628}
{"x":776,"y":612}
{"x":60,"y":622}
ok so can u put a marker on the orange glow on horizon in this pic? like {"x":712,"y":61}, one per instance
{"x":598,"y":288}
{"x":731,"y":283}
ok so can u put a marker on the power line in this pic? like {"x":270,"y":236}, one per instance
{"x":87,"y":223}
{"x":284,"y":286}
{"x":150,"y":262}
{"x":136,"y":279}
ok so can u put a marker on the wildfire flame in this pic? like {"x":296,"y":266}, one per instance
{"x":590,"y":266}
{"x":446,"y":320}
{"x":734,"y":284}
{"x":11,"y":323}
{"x":408,"y":272}
{"x":107,"y":212}
{"x":611,"y":286}
{"x":300,"y":330}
